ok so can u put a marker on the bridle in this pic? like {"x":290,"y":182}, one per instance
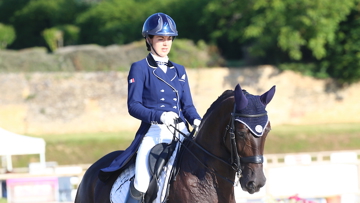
{"x":236,"y":160}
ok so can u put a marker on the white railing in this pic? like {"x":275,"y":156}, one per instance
{"x":323,"y":174}
{"x":309,"y":175}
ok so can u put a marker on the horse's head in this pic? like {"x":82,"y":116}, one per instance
{"x":233,"y":133}
{"x":249,"y":127}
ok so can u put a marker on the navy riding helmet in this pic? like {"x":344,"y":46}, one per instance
{"x":159,"y":24}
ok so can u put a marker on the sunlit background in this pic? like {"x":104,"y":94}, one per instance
{"x":63,"y":88}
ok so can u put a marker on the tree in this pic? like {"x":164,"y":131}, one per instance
{"x":37,"y":15}
{"x":115,"y":21}
{"x":7,"y":35}
{"x":294,"y":25}
{"x":282,"y":27}
{"x":224,"y":22}
{"x":8,"y":8}
{"x":343,"y":56}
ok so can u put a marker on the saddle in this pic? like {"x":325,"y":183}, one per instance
{"x":158,"y":157}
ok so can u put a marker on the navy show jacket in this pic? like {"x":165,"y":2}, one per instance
{"x":151,"y":92}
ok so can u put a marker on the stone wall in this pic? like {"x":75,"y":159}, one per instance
{"x":49,"y":103}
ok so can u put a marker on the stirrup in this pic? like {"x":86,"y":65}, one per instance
{"x":134,"y":196}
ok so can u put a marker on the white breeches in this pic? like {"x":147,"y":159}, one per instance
{"x":156,"y":134}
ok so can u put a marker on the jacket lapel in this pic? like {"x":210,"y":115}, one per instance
{"x":168,"y":77}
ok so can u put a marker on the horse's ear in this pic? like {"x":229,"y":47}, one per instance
{"x":240,"y":99}
{"x":267,"y":96}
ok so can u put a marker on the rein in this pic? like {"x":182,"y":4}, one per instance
{"x":236,"y":160}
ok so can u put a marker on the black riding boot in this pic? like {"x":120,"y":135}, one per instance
{"x":134,"y":196}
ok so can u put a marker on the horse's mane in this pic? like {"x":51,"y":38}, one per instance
{"x":226,"y":94}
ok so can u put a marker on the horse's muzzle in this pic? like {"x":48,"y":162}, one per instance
{"x":252,"y":186}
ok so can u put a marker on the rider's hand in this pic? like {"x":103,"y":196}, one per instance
{"x":196,"y":124}
{"x":168,"y":118}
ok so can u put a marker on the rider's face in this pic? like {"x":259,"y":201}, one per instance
{"x":161,"y":44}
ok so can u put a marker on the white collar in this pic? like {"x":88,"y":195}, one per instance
{"x":162,"y":59}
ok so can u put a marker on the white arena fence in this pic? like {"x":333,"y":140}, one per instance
{"x":318,"y":177}
{"x":326,"y":176}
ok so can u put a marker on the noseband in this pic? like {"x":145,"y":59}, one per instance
{"x":236,"y":160}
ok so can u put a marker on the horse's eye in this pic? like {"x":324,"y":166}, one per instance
{"x":241,"y":133}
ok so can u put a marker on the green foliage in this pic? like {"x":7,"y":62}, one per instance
{"x":223,"y":23}
{"x":342,"y":61}
{"x":115,"y":21}
{"x":71,"y":34}
{"x":343,"y":56}
{"x":306,"y":36}
{"x":183,"y":52}
{"x":59,"y":36}
{"x":188,"y":19}
{"x":8,"y":8}
{"x":293,"y":24}
{"x":52,"y":37}
{"x":315,"y":37}
{"x":7,"y":35}
{"x":37,"y":15}
{"x":98,"y":58}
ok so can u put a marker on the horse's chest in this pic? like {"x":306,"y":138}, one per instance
{"x":191,"y":188}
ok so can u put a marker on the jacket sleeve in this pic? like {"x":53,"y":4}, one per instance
{"x":188,"y":108}
{"x":136,"y":79}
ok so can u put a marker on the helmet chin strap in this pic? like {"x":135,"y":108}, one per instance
{"x":152,"y":47}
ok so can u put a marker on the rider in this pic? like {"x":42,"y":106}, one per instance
{"x":158,"y":94}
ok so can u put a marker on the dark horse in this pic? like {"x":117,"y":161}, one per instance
{"x":228,"y":148}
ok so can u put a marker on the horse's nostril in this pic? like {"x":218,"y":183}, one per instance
{"x":251,"y":185}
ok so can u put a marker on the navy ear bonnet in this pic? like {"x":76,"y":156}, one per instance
{"x":255,"y":124}
{"x":250,"y":109}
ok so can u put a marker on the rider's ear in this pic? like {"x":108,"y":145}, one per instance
{"x":240,"y":99}
{"x":267,"y":96}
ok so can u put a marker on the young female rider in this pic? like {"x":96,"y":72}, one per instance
{"x":158,"y":94}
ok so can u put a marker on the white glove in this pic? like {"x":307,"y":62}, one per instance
{"x":196,"y":124}
{"x":169,"y":118}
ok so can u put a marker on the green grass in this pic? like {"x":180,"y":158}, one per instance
{"x":78,"y":148}
{"x":313,"y":138}
{"x":88,"y":147}
{"x":3,"y":200}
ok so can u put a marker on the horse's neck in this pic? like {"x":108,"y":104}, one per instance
{"x":201,"y":174}
{"x":209,"y":178}
{"x":210,"y":157}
